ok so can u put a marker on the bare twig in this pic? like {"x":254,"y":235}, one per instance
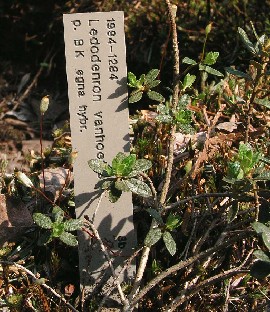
{"x":203,"y":195}
{"x":37,"y":280}
{"x":115,"y":279}
{"x":184,"y":264}
{"x":210,"y":281}
{"x":175,"y":97}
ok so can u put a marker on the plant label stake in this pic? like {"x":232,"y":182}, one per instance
{"x":96,"y":74}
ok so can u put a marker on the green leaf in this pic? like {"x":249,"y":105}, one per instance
{"x":237,"y":73}
{"x":263,"y":102}
{"x":121,"y":185}
{"x":44,"y":238}
{"x":142,"y":79}
{"x":152,"y":84}
{"x":264,"y":176}
{"x":151,"y":76}
{"x":128,"y":162}
{"x":259,"y":227}
{"x":172,"y":222}
{"x":266,"y":238}
{"x":187,"y":60}
{"x":183,"y":101}
{"x":156,"y":215}
{"x":135,"y":96}
{"x":69,"y":239}
{"x":132,"y":80}
{"x":164,"y":114}
{"x":43,"y":221}
{"x":261,"y":256}
{"x":141,"y":165}
{"x":152,"y":237}
{"x":211,"y":58}
{"x":57,"y":229}
{"x":123,"y":164}
{"x":234,"y":171}
{"x":58,"y":214}
{"x":153,"y":95}
{"x":244,"y":37}
{"x":114,"y":194}
{"x":213,"y":71}
{"x":265,"y":160}
{"x":138,"y":187}
{"x":106,"y":184}
{"x":188,"y":81}
{"x":98,"y":166}
{"x":260,"y":269}
{"x":169,"y":242}
{"x":73,"y":225}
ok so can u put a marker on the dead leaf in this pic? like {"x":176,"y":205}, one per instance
{"x":228,"y":126}
{"x":15,"y":218}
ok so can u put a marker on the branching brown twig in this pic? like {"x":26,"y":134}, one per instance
{"x":210,"y":281}
{"x":184,"y":264}
{"x":175,"y":96}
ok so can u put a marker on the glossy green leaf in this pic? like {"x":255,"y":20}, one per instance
{"x":260,"y":269}
{"x":135,"y":96}
{"x":259,"y":227}
{"x":43,"y":221}
{"x":172,"y":222}
{"x":141,"y":165}
{"x":156,"y":215}
{"x":266,"y":238}
{"x":187,"y":60}
{"x":169,"y":242}
{"x":57,"y":229}
{"x":44,"y":238}
{"x":132,"y":80}
{"x":58,"y":214}
{"x":263,"y":102}
{"x":213,"y":71}
{"x":138,"y":187}
{"x":234,"y":171}
{"x":248,"y":44}
{"x":122,"y":164}
{"x":261,"y":256}
{"x":69,"y":239}
{"x":153,"y":84}
{"x":188,"y":81}
{"x":183,"y":101}
{"x":98,"y":166}
{"x":237,"y":73}
{"x":121,"y":185}
{"x":114,"y":194}
{"x":155,"y":96}
{"x":211,"y":58}
{"x":264,"y":176}
{"x":73,"y":225}
{"x":151,"y":75}
{"x":106,"y":184}
{"x":153,"y":236}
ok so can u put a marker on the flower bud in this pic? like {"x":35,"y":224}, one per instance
{"x":22,"y":178}
{"x":44,"y":104}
